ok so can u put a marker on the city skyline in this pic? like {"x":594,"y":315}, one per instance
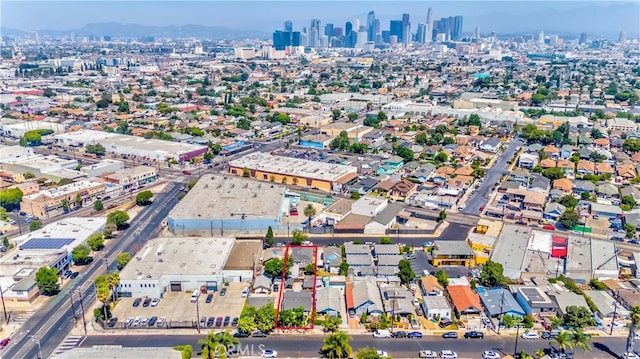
{"x":265,"y":16}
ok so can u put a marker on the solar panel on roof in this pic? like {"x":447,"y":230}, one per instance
{"x":46,"y":243}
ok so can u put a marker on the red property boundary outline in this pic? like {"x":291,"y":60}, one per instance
{"x":283,"y":286}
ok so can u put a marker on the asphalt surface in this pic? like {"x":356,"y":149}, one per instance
{"x":291,"y":345}
{"x":50,"y":325}
{"x":492,"y":177}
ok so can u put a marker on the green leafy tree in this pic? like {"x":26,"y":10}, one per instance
{"x":405,"y":152}
{"x":344,"y":268}
{"x":298,"y":236}
{"x":122,"y":259}
{"x":143,"y":197}
{"x":406,"y":273}
{"x":268,"y":238}
{"x":47,"y":280}
{"x":569,"y":219}
{"x":185,"y":351}
{"x":96,"y":242}
{"x":10,"y":198}
{"x":266,"y":318}
{"x":247,"y":320}
{"x":119,"y":218}
{"x":352,"y":116}
{"x":341,"y":142}
{"x":368,"y":353}
{"x":442,"y":215}
{"x":631,"y":145}
{"x":629,"y":201}
{"x":35,"y":225}
{"x":578,"y":317}
{"x":442,"y":277}
{"x":98,"y":206}
{"x":108,"y":230}
{"x":569,"y":201}
{"x":553,"y":173}
{"x":492,"y":274}
{"x":337,"y":346}
{"x":80,"y":254}
{"x":510,"y":321}
{"x":386,"y":240}
{"x":331,"y":324}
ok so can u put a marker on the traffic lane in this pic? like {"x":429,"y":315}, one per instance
{"x":491,"y":178}
{"x":288,"y":345}
{"x":52,"y":310}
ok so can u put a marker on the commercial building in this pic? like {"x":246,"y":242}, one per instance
{"x":51,"y":202}
{"x":49,"y":246}
{"x":132,"y":178}
{"x":102,"y":167}
{"x":277,"y":169}
{"x":222,"y":204}
{"x":51,"y":167}
{"x":146,"y":149}
{"x":18,"y":128}
{"x":447,"y":253}
{"x":176,"y":265}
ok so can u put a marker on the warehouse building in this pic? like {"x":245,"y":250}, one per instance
{"x":176,"y":265}
{"x":219,"y":205}
{"x":287,"y":170}
{"x":125,"y":145}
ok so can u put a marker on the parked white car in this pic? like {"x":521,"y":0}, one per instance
{"x":530,"y":335}
{"x":488,"y":354}
{"x":448,"y":354}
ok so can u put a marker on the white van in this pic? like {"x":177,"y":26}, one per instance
{"x":382,"y":333}
{"x":195,"y":295}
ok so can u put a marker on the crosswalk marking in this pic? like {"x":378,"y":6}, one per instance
{"x":69,"y":343}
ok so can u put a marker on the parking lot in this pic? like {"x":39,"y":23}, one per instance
{"x":176,"y":307}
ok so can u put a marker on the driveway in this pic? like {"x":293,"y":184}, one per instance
{"x":492,"y":177}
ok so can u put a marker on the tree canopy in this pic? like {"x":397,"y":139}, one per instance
{"x":119,"y":218}
{"x":47,"y":280}
{"x":492,"y":274}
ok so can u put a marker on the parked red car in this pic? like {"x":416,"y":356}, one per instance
{"x":188,"y":173}
{"x":550,"y":227}
{"x":4,"y":342}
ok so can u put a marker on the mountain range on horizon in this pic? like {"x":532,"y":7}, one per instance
{"x":596,"y":21}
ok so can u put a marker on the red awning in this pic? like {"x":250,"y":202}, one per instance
{"x":559,"y":247}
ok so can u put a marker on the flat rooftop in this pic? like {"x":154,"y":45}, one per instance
{"x":340,"y":207}
{"x":179,"y":256}
{"x":452,"y":248}
{"x":293,"y":167}
{"x":60,"y":235}
{"x":120,"y":143}
{"x":119,"y":352}
{"x":229,"y":197}
{"x":243,"y":253}
{"x":131,"y":172}
{"x":66,"y":189}
{"x":510,"y":249}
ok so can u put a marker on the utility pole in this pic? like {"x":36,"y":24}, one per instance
{"x":37,"y":341}
{"x":73,"y":310}
{"x":4,"y":309}
{"x":84,"y":321}
{"x":198,"y":314}
{"x":615,"y":310}
{"x":501,"y":306}
{"x":515,"y":349}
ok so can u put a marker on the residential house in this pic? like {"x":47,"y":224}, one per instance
{"x":606,"y":210}
{"x":607,"y":305}
{"x":631,"y":191}
{"x":540,"y":183}
{"x":397,"y":300}
{"x":491,"y":145}
{"x":292,"y":300}
{"x":499,"y":301}
{"x":551,"y":151}
{"x":567,"y":299}
{"x":584,"y":153}
{"x":384,"y":220}
{"x":442,"y":174}
{"x":607,"y":191}
{"x":446,"y":253}
{"x":554,"y":210}
{"x":424,"y":172}
{"x":567,"y":166}
{"x":261,"y":285}
{"x":436,"y":308}
{"x":604,"y":168}
{"x":585,"y":168}
{"x":528,"y":200}
{"x":465,"y":301}
{"x":566,"y":151}
{"x":626,"y":171}
{"x":390,"y":165}
{"x":563,"y":184}
{"x":528,"y":160}
{"x":464,"y":171}
{"x":366,"y":298}
{"x":429,"y":286}
{"x":601,"y":144}
{"x":329,"y":301}
{"x":535,"y":301}
{"x":459,"y":182}
{"x":522,"y":177}
{"x":621,"y":124}
{"x":582,"y":186}
{"x":629,"y":298}
{"x":402,"y":189}
{"x":332,"y":259}
{"x":548,"y":163}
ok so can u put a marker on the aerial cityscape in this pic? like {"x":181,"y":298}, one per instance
{"x":306,"y":179}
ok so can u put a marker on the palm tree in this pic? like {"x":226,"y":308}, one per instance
{"x":226,"y":339}
{"x":540,"y":353}
{"x":310,"y":212}
{"x":635,"y":319}
{"x":185,"y":351}
{"x":211,"y":347}
{"x":337,"y":345}
{"x":564,"y":341}
{"x":580,"y":339}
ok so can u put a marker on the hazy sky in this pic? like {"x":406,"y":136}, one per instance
{"x":260,"y":14}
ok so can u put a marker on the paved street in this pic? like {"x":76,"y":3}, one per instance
{"x":53,"y":322}
{"x":492,"y":177}
{"x":290,"y":346}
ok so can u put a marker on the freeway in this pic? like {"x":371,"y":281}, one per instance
{"x":290,"y":345}
{"x":48,"y":327}
{"x":492,"y":177}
